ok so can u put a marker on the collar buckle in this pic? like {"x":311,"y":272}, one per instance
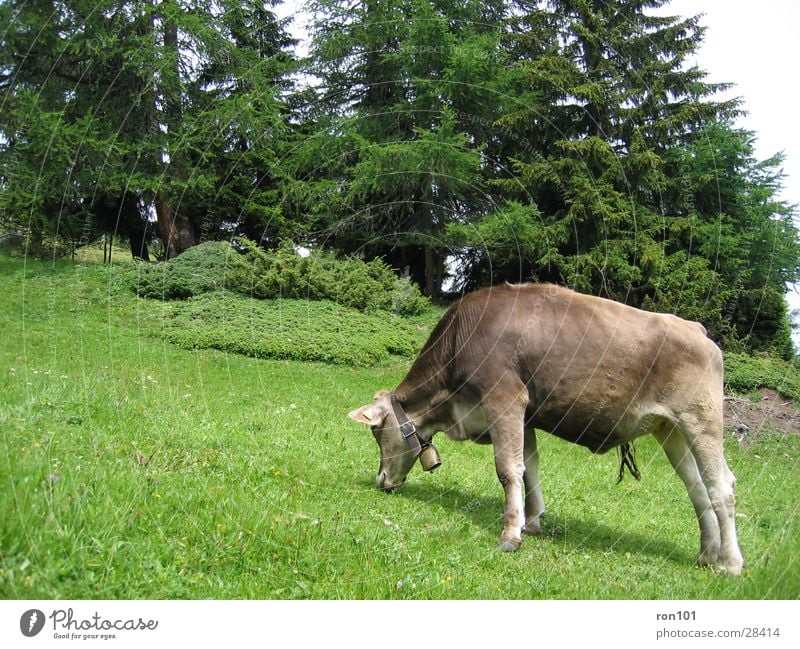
{"x":407,"y":428}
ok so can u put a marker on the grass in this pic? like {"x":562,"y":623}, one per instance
{"x":133,"y":468}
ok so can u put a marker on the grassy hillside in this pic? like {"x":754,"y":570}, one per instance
{"x":135,"y":468}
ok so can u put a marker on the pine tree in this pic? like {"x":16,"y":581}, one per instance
{"x":400,"y":126}
{"x":743,"y":230}
{"x":605,"y":94}
{"x":114,"y":112}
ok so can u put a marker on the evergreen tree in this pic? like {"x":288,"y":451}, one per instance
{"x":115,"y":111}
{"x":399,"y":120}
{"x":240,"y":114}
{"x":603,"y":94}
{"x":37,"y":163}
{"x":746,"y":234}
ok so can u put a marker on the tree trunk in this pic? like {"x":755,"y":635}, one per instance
{"x":433,"y":275}
{"x":138,"y":240}
{"x":35,"y":239}
{"x":166,"y":227}
{"x":428,"y":230}
{"x":177,"y":231}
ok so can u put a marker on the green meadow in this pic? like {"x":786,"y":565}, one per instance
{"x":138,"y":461}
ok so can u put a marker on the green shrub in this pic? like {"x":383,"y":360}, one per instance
{"x":282,"y":273}
{"x":291,"y":329}
{"x":744,"y":373}
{"x":201,"y":269}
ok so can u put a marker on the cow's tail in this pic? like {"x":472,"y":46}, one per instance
{"x":627,"y":460}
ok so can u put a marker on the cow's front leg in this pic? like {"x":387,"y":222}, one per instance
{"x":534,"y":501}
{"x":505,"y":412}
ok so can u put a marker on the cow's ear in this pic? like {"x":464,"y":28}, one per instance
{"x":371,"y":415}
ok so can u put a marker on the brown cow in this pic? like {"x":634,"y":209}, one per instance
{"x":507,"y":360}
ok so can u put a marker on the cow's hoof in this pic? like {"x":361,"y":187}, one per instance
{"x":709,"y":554}
{"x":510,"y":545}
{"x":732,"y":569}
{"x":706,"y":559}
{"x":532,"y":528}
{"x":731,"y":566}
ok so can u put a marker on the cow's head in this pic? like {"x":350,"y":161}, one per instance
{"x":397,"y":452}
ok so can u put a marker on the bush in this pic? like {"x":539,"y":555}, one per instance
{"x":367,"y":286}
{"x":745,"y":373}
{"x":12,"y":244}
{"x":291,"y":329}
{"x":282,"y":273}
{"x":199,"y":270}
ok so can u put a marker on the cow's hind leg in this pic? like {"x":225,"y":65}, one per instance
{"x":680,"y":455}
{"x":707,"y":449}
{"x":697,"y":456}
{"x":504,"y":405}
{"x":534,"y":501}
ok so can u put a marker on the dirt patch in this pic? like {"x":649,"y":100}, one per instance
{"x":773,"y":413}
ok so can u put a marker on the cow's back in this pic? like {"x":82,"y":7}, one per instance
{"x":595,"y":369}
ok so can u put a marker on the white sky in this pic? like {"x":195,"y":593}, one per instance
{"x":753,"y":45}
